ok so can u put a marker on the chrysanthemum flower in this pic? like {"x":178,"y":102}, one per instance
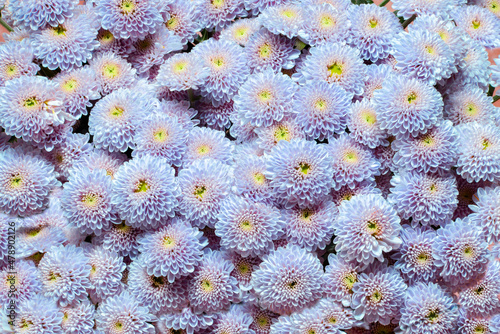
{"x":216,"y":15}
{"x":26,"y":180}
{"x":262,"y":318}
{"x":78,"y":318}
{"x":25,"y":279}
{"x":322,"y":109}
{"x":16,"y":60}
{"x":415,"y":259}
{"x":334,"y":63}
{"x":152,"y":49}
{"x":428,"y":309}
{"x":307,"y":321}
{"x":111,"y":44}
{"x":284,"y":19}
{"x":372,"y":31}
{"x":183,"y":20}
{"x":407,"y":8}
{"x":311,"y":227}
{"x":67,"y":45}
{"x":378,"y":296}
{"x":216,"y":118}
{"x":155,"y":292}
{"x":161,"y":136}
{"x":112,"y":72}
{"x":36,"y":15}
{"x":284,"y":324}
{"x":212,"y":288}
{"x":335,"y":316}
{"x":248,"y":228}
{"x":186,"y":321}
{"x":38,"y":315}
{"x":180,"y":109}
{"x":130,"y":18}
{"x":268,"y":137}
{"x":365,"y":228}
{"x":181,"y":72}
{"x":30,"y":108}
{"x":299,"y":171}
{"x":242,"y":132}
{"x":265,"y":98}
{"x":227,"y":66}
{"x":244,"y":267}
{"x":468,"y":104}
{"x":288,"y":280}
{"x":460,"y":251}
{"x":479,"y":152}
{"x":474,"y":67}
{"x":145,"y":191}
{"x":172,"y":251}
{"x":407,"y":107}
{"x":65,"y":274}
{"x":345,"y":193}
{"x":241,"y":30}
{"x":468,"y":324}
{"x":351,"y":162}
{"x":257,"y":6}
{"x":363,"y":125}
{"x":266,"y":50}
{"x":324,"y":24}
{"x":123,"y":313}
{"x":234,"y":321}
{"x":486,"y":212}
{"x":204,"y":186}
{"x":251,"y":182}
{"x":495,"y":323}
{"x":377,"y":75}
{"x":99,"y":159}
{"x":481,"y":24}
{"x":121,"y":239}
{"x":205,"y":143}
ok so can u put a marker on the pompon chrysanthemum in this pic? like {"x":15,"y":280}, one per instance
{"x":161,"y":136}
{"x":415,"y":259}
{"x":180,"y":109}
{"x":218,"y":15}
{"x":65,"y":274}
{"x":480,"y":298}
{"x":468,"y":104}
{"x":112,"y":72}
{"x":257,"y":6}
{"x":25,"y":279}
{"x":31,"y":108}
{"x":106,"y":272}
{"x":205,"y":143}
{"x":67,"y":45}
{"x":243,"y":132}
{"x":109,"y":43}
{"x":479,"y":152}
{"x":26,"y":182}
{"x":123,"y":313}
{"x":324,"y":24}
{"x":429,"y":199}
{"x":183,"y":20}
{"x":407,"y":107}
{"x":339,"y":278}
{"x":267,"y":50}
{"x":407,"y":8}
{"x":212,"y":288}
{"x":423,"y":55}
{"x":172,"y":251}
{"x":16,"y":60}
{"x":156,"y":292}
{"x":283,"y":324}
{"x":86,"y":201}
{"x":216,"y":118}
{"x":265,"y":98}
{"x":486,"y":212}
{"x":468,"y":324}
{"x":241,"y":30}
{"x":366,"y":227}
{"x":311,"y":227}
{"x":248,"y":228}
{"x":234,"y":321}
{"x":372,"y":31}
{"x":284,"y":19}
{"x":351,"y":162}
{"x":130,"y":18}
{"x":377,"y":75}
{"x":288,"y":280}
{"x":378,"y":296}
{"x":434,"y":151}
{"x":115,"y":118}
{"x":262,"y":318}
{"x":38,"y":315}
{"x":145,"y":191}
{"x":474,"y":67}
{"x":363,"y":125}
{"x":36,"y":15}
{"x":187,"y":321}
{"x":181,"y":72}
{"x":286,"y":130}
{"x":322,"y":109}
{"x":334,"y":63}
{"x":152,"y":49}
{"x":121,"y":239}
{"x":244,"y":267}
{"x":299,"y":171}
{"x":460,"y":251}
{"x":78,"y":318}
{"x":481,"y":24}
{"x":251,"y":182}
{"x":227,"y":67}
{"x":307,"y":321}
{"x":99,"y":159}
{"x":204,"y":186}
{"x":428,"y":309}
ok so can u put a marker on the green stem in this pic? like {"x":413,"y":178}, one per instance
{"x":299,"y":45}
{"x":5,"y":25}
{"x":491,"y":90}
{"x":385,"y":2}
{"x":410,"y":20}
{"x":496,"y":98}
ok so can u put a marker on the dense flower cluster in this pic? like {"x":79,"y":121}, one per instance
{"x":249,"y":167}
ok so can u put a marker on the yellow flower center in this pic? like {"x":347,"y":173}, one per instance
{"x":262,"y":321}
{"x":243,"y":268}
{"x":349,"y":280}
{"x":172,"y":23}
{"x":180,"y":66}
{"x":433,"y":315}
{"x":327,"y":21}
{"x":157,"y":282}
{"x":116,"y":111}
{"x":31,"y":102}
{"x":11,"y":70}
{"x":372,"y":228}
{"x":218,"y":62}
{"x":127,"y":7}
{"x":107,"y":36}
{"x":350,"y":156}
{"x":246,"y":225}
{"x":376,"y":296}
{"x":199,"y":192}
{"x":34,"y":232}
{"x":373,"y":23}
{"x":70,"y":85}
{"x":16,"y":181}
{"x":422,"y":258}
{"x":304,"y":168}
{"x":206,"y":285}
{"x":476,"y":24}
{"x":281,"y":133}
{"x":160,"y":135}
{"x":111,"y":71}
{"x":259,"y":178}
{"x":203,"y":150}
{"x":321,"y":104}
{"x":288,"y":13}
{"x":412,"y":97}
{"x":486,"y":144}
{"x":265,"y":96}
{"x":59,"y":30}
{"x":265,"y":50}
{"x":169,"y":242}
{"x":141,"y":187}
{"x":369,"y":117}
{"x":218,"y":3}
{"x":428,"y":141}
{"x":335,"y":69}
{"x":90,"y":200}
